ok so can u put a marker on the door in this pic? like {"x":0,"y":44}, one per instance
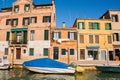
{"x":56,"y":53}
{"x":18,"y":53}
{"x":103,"y":55}
{"x":82,"y":54}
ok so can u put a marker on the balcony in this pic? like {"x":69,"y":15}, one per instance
{"x":18,"y":43}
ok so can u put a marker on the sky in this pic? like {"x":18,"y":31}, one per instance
{"x":68,"y":10}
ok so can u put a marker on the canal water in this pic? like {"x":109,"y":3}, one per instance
{"x":23,"y":74}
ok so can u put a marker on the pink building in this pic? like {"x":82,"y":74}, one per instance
{"x":24,"y":30}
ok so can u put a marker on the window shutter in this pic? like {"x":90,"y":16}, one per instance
{"x":75,"y":35}
{"x":45,"y":51}
{"x":59,"y":35}
{"x":8,"y":36}
{"x":46,"y":35}
{"x":68,"y":35}
{"x":31,"y":53}
{"x":25,"y":37}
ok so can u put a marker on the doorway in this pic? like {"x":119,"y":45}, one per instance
{"x":56,"y":53}
{"x":18,"y":53}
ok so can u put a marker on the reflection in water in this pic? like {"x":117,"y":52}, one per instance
{"x":23,"y":74}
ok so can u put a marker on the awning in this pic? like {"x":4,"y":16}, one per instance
{"x":19,"y":29}
{"x":93,"y":47}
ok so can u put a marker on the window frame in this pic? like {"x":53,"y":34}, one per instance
{"x":82,"y":26}
{"x":45,"y":51}
{"x":108,"y":26}
{"x":63,"y":51}
{"x":25,"y":7}
{"x":15,"y":7}
{"x":46,"y":19}
{"x":72,"y":52}
{"x":31,"y":51}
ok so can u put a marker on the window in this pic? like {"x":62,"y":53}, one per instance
{"x":26,"y":21}
{"x":81,"y":25}
{"x":33,"y":19}
{"x":16,"y":8}
{"x":71,"y":51}
{"x":14,"y":22}
{"x":45,"y":51}
{"x":91,"y":39}
{"x":109,"y":39}
{"x":31,"y":51}
{"x":72,"y":35}
{"x":27,"y":7}
{"x":6,"y":51}
{"x":115,"y":18}
{"x":108,"y":26}
{"x":19,"y":37}
{"x":93,"y":54}
{"x":32,"y":34}
{"x":96,"y":38}
{"x":81,"y":38}
{"x":7,"y":36}
{"x":94,"y":26}
{"x":46,"y":35}
{"x":46,"y":18}
{"x":116,"y":37}
{"x":63,"y":51}
{"x":8,"y":22}
{"x":56,"y":35}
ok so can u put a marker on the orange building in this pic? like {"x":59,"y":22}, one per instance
{"x":64,"y":44}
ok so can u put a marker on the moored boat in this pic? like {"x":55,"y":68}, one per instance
{"x":4,"y":63}
{"x":46,"y":65}
{"x":108,"y":68}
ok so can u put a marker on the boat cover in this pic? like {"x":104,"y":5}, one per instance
{"x":45,"y":62}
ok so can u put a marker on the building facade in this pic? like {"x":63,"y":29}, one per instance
{"x":94,"y":39}
{"x":64,"y":44}
{"x":114,"y":15}
{"x":25,"y":30}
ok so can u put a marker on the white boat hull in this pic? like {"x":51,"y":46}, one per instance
{"x":4,"y":67}
{"x":51,"y":70}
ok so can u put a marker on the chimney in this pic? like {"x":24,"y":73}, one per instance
{"x":63,"y":24}
{"x":52,"y":1}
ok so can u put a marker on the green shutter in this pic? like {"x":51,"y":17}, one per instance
{"x":31,"y":52}
{"x":96,"y":26}
{"x":45,"y":51}
{"x":25,"y":37}
{"x":107,"y":26}
{"x":71,"y":51}
{"x":46,"y":35}
{"x":7,"y":36}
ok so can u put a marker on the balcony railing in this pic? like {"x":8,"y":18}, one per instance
{"x":15,"y":42}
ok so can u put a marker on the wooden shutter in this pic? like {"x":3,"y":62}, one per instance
{"x":46,"y":35}
{"x":7,"y":36}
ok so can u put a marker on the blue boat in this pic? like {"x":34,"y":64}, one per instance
{"x":47,"y":65}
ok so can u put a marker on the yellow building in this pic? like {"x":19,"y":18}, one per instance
{"x":94,"y":39}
